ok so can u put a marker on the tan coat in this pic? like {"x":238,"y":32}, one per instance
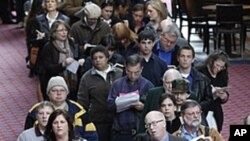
{"x":213,"y":133}
{"x":69,"y":7}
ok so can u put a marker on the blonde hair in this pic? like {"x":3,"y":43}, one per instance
{"x":159,"y":6}
{"x":43,"y":104}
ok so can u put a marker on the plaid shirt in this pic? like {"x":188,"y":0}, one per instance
{"x":128,"y":119}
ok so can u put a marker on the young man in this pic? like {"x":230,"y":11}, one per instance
{"x":126,"y":98}
{"x":42,"y":113}
{"x":153,"y":66}
{"x":199,"y":84}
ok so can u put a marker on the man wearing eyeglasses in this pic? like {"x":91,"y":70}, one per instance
{"x":156,"y":127}
{"x":166,"y":47}
{"x":191,"y":128}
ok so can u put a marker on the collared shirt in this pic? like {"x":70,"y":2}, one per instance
{"x":166,"y":56}
{"x":165,"y":138}
{"x":189,"y":77}
{"x":128,"y":119}
{"x":31,"y":134}
{"x":187,"y":135}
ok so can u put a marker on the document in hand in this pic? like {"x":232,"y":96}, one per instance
{"x":125,"y":101}
{"x":218,"y":89}
{"x":73,"y":67}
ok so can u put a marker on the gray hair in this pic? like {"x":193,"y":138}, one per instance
{"x":189,"y":104}
{"x":172,"y":72}
{"x":171,"y":29}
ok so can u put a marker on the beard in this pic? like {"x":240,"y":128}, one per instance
{"x":193,"y":123}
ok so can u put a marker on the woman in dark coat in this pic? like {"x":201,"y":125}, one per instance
{"x":215,"y":67}
{"x":57,"y":55}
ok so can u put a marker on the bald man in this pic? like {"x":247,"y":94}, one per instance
{"x":156,"y":126}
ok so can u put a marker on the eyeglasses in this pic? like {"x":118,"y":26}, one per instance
{"x":153,"y":123}
{"x":194,"y":113}
{"x":168,"y":40}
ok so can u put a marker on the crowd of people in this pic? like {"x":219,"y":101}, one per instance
{"x":114,"y":70}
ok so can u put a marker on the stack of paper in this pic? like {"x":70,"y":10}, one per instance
{"x":125,"y":101}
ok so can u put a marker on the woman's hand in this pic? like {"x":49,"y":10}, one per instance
{"x":222,"y":95}
{"x":81,"y":61}
{"x":39,"y":35}
{"x":68,"y":61}
{"x":219,"y":92}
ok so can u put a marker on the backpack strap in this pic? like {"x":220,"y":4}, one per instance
{"x":206,"y":131}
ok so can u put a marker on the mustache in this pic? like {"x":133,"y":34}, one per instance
{"x":196,"y":122}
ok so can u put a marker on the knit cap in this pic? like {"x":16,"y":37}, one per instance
{"x":57,"y":81}
{"x":91,"y":10}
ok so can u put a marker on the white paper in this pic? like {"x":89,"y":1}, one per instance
{"x":211,"y":120}
{"x":73,"y":67}
{"x":124,"y":102}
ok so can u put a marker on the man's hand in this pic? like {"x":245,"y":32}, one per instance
{"x":138,"y":106}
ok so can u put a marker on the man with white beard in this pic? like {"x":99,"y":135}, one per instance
{"x":191,"y":128}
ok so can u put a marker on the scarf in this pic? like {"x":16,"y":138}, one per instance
{"x":64,"y":50}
